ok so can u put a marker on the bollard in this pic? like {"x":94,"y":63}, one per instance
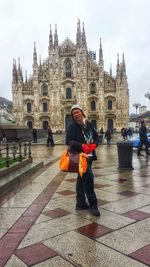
{"x":125,"y":154}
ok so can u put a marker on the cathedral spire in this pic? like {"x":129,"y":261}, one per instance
{"x":50,"y":40}
{"x":34,"y":56}
{"x":100,"y":52}
{"x":14,"y":72}
{"x":118,"y":67}
{"x":20,"y":76}
{"x":35,"y":64}
{"x":101,"y":61}
{"x":55,"y":38}
{"x":19,"y":68}
{"x":78,"y":34}
{"x":83,"y":36}
{"x":26,"y":78}
{"x":40,"y":66}
{"x":110,"y":71}
{"x":123,"y":65}
{"x":123,"y":72}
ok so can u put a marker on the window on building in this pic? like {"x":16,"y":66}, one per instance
{"x":68,"y":68}
{"x":93,"y":88}
{"x":30,"y":124}
{"x":109,"y":104}
{"x":68,"y":93}
{"x":29,"y":107}
{"x":44,"y":90}
{"x":45,"y":107}
{"x":93,"y":105}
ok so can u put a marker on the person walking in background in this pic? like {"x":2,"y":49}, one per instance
{"x":102,"y":133}
{"x":50,"y":137}
{"x":124,"y":133}
{"x":130,"y":133}
{"x":34,"y":135}
{"x":143,"y":138}
{"x":108,"y":137}
{"x":3,"y":140}
{"x":82,"y":137}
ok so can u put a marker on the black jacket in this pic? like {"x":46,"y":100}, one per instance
{"x":76,"y":138}
{"x":143,"y":133}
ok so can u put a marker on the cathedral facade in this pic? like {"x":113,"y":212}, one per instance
{"x":70,"y":75}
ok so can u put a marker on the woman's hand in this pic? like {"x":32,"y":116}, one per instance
{"x":88,"y":148}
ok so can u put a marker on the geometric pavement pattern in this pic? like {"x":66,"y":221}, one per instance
{"x":39,"y":225}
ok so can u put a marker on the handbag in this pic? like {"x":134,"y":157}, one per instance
{"x":72,"y":161}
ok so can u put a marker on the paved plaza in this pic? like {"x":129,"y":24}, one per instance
{"x":40,"y":227}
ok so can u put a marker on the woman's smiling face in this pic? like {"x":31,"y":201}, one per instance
{"x":77,"y":115}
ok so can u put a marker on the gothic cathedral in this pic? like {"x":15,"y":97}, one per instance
{"x":70,"y":75}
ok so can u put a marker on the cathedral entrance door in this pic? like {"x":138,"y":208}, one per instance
{"x":30,"y":124}
{"x":110,"y":124}
{"x":45,"y":125}
{"x":68,"y":120}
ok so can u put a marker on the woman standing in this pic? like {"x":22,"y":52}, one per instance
{"x":82,"y":137}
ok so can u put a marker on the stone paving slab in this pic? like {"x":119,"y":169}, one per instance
{"x":27,"y":169}
{"x":86,"y":252}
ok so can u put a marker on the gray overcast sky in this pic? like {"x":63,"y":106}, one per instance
{"x":123,"y":25}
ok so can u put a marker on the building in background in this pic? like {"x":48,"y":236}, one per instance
{"x":135,"y":119}
{"x":6,"y":104}
{"x":6,"y":116}
{"x":70,"y":75}
{"x":142,"y":109}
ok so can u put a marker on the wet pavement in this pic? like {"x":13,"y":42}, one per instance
{"x":40,"y":227}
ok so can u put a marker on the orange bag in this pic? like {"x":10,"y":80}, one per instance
{"x":71,"y":161}
{"x":82,"y":163}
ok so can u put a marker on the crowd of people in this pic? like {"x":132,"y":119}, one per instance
{"x":126,"y":133}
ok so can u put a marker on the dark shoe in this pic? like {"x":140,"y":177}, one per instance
{"x":84,"y":206}
{"x":95,"y":211}
{"x":140,"y":154}
{"x":147,"y":154}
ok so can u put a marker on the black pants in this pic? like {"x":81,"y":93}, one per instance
{"x":145,"y":143}
{"x":50,"y":140}
{"x":85,"y":187}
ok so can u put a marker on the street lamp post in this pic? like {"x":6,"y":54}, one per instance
{"x":147,"y":95}
{"x":136,"y":105}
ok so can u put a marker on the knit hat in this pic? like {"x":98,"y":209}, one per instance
{"x":77,"y":107}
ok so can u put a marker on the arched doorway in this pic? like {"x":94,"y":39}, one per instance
{"x":68,"y":120}
{"x":94,"y":123}
{"x":45,"y":125}
{"x":110,"y":124}
{"x":30,"y":124}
